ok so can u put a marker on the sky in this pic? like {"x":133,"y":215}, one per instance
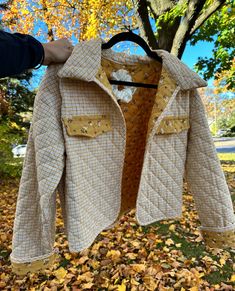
{"x":191,"y":54}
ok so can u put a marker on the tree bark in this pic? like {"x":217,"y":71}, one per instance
{"x":144,"y":24}
{"x":172,"y":37}
{"x":187,"y":23}
{"x":208,"y":12}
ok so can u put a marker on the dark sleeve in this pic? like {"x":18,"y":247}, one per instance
{"x":18,"y":52}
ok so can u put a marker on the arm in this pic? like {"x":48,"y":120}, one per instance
{"x":20,"y":52}
{"x":34,"y":224}
{"x":207,"y":182}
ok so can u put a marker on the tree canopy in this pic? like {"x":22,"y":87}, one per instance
{"x":165,"y":24}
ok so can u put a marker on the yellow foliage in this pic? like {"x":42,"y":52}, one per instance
{"x":82,"y":19}
{"x":232,"y":279}
{"x":14,"y":125}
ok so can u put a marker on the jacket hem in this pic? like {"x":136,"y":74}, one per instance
{"x":177,"y":216}
{"x":34,"y":266}
{"x":218,"y":229}
{"x":32,"y":259}
{"x":220,"y":239}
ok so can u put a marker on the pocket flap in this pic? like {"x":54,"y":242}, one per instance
{"x":173,"y":124}
{"x":87,"y":125}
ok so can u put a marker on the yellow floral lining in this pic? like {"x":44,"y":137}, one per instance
{"x":221,"y":240}
{"x":102,"y":77}
{"x":33,"y":267}
{"x":173,"y":124}
{"x":166,"y":88}
{"x":87,"y":125}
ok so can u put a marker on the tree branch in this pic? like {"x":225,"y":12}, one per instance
{"x":206,"y":14}
{"x":183,"y":32}
{"x":145,"y":27}
{"x":160,"y":6}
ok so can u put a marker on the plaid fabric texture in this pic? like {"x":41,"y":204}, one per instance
{"x":87,"y":171}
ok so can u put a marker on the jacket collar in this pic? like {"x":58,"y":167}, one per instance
{"x":85,"y":61}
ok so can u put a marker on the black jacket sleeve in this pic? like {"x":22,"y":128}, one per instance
{"x":18,"y":52}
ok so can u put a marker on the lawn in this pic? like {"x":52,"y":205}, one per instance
{"x":167,"y":255}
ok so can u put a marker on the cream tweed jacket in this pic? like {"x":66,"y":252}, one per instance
{"x":105,"y":157}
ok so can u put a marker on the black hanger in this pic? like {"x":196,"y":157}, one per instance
{"x":130,"y":36}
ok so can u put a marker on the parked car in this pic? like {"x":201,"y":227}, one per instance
{"x":19,"y":151}
{"x":230,"y":132}
{"x":221,"y":132}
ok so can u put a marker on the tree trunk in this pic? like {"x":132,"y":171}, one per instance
{"x":173,"y":36}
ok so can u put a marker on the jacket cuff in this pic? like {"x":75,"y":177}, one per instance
{"x":218,"y":239}
{"x":33,"y":267}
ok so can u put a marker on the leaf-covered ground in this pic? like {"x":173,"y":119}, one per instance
{"x":167,"y":255}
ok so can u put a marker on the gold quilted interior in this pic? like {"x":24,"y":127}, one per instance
{"x":137,"y":114}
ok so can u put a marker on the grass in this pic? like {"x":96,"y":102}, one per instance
{"x":227,"y":156}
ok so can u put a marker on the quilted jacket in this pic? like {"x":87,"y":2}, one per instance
{"x":106,"y":157}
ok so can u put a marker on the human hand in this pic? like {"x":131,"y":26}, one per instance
{"x":57,"y":51}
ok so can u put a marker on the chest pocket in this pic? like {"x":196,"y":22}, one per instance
{"x":87,"y":125}
{"x":173,"y":124}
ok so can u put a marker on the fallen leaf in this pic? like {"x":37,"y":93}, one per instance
{"x":172,"y":227}
{"x":169,"y":242}
{"x":87,"y":285}
{"x":122,"y":287}
{"x":232,"y":279}
{"x":67,"y":256}
{"x":222,"y":261}
{"x":131,"y":256}
{"x":60,"y":273}
{"x":138,"y":267}
{"x":114,"y":254}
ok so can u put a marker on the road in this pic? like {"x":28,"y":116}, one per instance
{"x":225,"y":145}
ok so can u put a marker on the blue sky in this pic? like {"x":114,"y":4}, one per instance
{"x":201,"y":49}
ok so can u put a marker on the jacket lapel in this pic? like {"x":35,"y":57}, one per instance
{"x":85,"y":64}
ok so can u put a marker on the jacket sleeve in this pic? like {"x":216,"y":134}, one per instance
{"x":206,"y":181}
{"x":34,"y":224}
{"x":19,"y":52}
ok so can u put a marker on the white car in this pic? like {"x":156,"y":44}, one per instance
{"x":221,"y":132}
{"x":19,"y":151}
